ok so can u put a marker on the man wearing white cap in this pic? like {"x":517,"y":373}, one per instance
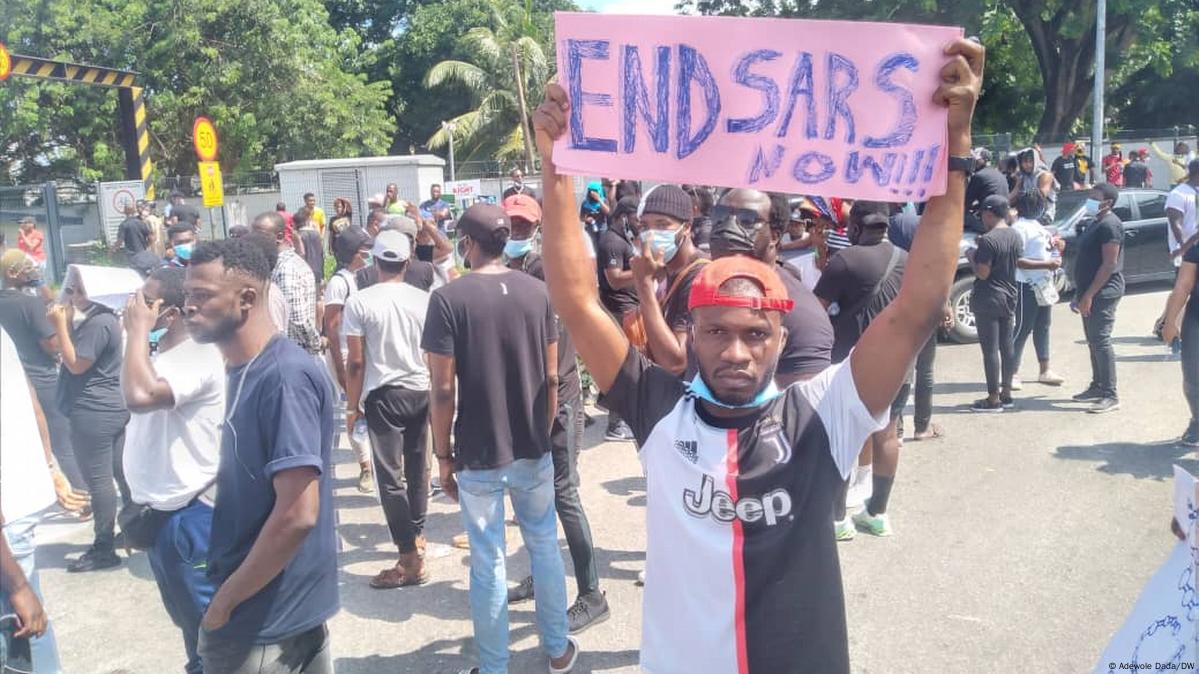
{"x":388,"y":383}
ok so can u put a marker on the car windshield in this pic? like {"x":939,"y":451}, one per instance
{"x":1068,"y":203}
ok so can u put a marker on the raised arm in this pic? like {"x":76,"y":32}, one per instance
{"x":890,"y":344}
{"x":143,"y":389}
{"x":569,"y":270}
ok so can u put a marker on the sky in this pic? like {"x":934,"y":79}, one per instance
{"x":630,"y":6}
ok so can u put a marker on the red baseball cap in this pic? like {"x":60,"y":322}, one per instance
{"x":522,"y":206}
{"x":705,"y":289}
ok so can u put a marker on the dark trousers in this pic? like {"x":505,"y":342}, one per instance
{"x":924,"y":384}
{"x":179,"y":561}
{"x":1190,"y":359}
{"x":1098,"y":329}
{"x":98,"y":439}
{"x":304,"y":653}
{"x":1031,"y":319}
{"x":995,"y":339}
{"x":398,"y":420}
{"x":60,"y":432}
{"x":566,"y":438}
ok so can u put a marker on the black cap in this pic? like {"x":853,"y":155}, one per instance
{"x":347,"y":244}
{"x":1108,"y":190}
{"x":668,"y":200}
{"x":626,"y":206}
{"x":484,"y":222}
{"x":997,"y":204}
{"x":870,"y":213}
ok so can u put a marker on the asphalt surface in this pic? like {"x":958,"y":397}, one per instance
{"x":1022,"y":540}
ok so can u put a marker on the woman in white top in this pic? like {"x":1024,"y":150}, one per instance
{"x":1034,"y":274}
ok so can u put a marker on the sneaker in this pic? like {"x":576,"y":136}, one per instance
{"x":843,"y":530}
{"x":640,"y":582}
{"x":523,"y":591}
{"x":588,"y":610}
{"x":1017,"y":383}
{"x":1191,"y":437}
{"x":1104,"y":405}
{"x":1006,"y":402}
{"x":1051,"y":378}
{"x":573,"y":647}
{"x":366,"y":481}
{"x":876,"y":525}
{"x":94,"y":560}
{"x":1090,"y":395}
{"x":619,"y":433}
{"x":984,"y":405}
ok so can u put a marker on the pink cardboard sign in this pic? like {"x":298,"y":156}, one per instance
{"x":831,"y":108}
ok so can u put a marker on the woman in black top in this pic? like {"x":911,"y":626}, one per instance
{"x":1186,"y":293}
{"x":89,"y":394}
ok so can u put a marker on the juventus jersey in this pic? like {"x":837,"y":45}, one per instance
{"x":741,"y":566}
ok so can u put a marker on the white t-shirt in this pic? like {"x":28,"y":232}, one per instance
{"x":25,"y":486}
{"x":390,"y":319}
{"x":171,"y":455}
{"x":337,"y":291}
{"x":1183,"y":198}
{"x":1036,"y":247}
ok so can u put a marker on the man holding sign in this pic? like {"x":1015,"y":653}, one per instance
{"x":741,"y":476}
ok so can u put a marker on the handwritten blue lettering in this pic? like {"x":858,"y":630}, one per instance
{"x":838,"y":93}
{"x":906,"y":124}
{"x":917,"y":158}
{"x":803,"y":175}
{"x":932,"y":163}
{"x":576,"y":52}
{"x":801,"y":85}
{"x":635,"y":99}
{"x":770,"y":92}
{"x":694,"y":67}
{"x":765,"y":165}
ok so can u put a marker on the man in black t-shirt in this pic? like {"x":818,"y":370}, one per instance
{"x":741,"y":565}
{"x":1182,"y":318}
{"x":1099,"y":280}
{"x":133,"y":234}
{"x":566,"y":436}
{"x":614,"y":255}
{"x":1065,"y":169}
{"x":492,"y":342}
{"x":993,"y":300}
{"x":182,"y":212}
{"x":986,"y":181}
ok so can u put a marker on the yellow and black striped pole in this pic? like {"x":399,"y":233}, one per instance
{"x":135,"y":131}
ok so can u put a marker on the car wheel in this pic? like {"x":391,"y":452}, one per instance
{"x":964,"y":330}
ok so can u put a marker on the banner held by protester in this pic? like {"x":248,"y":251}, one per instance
{"x":829,"y":107}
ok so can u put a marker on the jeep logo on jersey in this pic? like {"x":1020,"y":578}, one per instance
{"x":771,"y":507}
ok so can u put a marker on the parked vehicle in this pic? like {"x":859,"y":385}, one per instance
{"x":1146,"y":254}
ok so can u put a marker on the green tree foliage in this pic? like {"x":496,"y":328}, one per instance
{"x":1041,"y":64}
{"x":276,"y":79}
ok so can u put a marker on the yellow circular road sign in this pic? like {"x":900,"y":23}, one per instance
{"x":204,"y":139}
{"x":5,"y":63}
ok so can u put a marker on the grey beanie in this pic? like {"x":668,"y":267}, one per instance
{"x":668,"y":200}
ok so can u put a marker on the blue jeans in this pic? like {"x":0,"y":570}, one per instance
{"x":20,"y":535}
{"x":481,"y":496}
{"x":179,"y":561}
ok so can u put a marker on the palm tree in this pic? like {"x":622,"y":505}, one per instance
{"x":507,"y":67}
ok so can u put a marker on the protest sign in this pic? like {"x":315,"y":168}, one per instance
{"x":110,"y":286}
{"x":833,"y":108}
{"x":1160,"y":634}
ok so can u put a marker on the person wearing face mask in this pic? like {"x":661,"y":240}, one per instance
{"x":89,"y":394}
{"x":1099,"y":278}
{"x":176,"y":396}
{"x":663,"y":272}
{"x":352,"y":249}
{"x":182,"y":240}
{"x":617,"y":247}
{"x":566,"y":436}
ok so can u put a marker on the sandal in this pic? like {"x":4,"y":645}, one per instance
{"x":933,"y":432}
{"x":394,"y":578}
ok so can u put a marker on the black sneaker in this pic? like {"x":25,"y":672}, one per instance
{"x":1191,"y":437}
{"x":1006,"y":402}
{"x":94,"y":560}
{"x":522,"y":592}
{"x":1092,"y":394}
{"x":1103,"y":405}
{"x":588,"y":610}
{"x":619,"y":433}
{"x":984,"y":405}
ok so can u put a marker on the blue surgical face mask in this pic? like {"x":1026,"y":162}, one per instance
{"x":662,"y":240}
{"x":1091,"y":207}
{"x":517,"y":248}
{"x":183,"y":251}
{"x":156,"y":335}
{"x":700,"y":390}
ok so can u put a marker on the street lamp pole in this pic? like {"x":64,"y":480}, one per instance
{"x":449,"y":128}
{"x":1100,"y":69}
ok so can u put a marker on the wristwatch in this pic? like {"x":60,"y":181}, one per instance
{"x":962,"y":164}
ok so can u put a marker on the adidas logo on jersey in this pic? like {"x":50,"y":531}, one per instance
{"x":689,"y":449}
{"x":771,"y":507}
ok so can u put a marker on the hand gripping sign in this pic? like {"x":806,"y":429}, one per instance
{"x":835,"y":108}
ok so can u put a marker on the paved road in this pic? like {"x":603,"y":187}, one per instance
{"x":1022,"y":541}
